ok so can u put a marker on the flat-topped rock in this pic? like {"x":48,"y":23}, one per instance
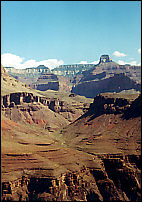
{"x":105,"y":58}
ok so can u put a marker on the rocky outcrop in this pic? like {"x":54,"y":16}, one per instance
{"x":32,"y":108}
{"x":89,"y":77}
{"x":54,"y":104}
{"x":18,"y":98}
{"x":109,"y":103}
{"x":105,"y":58}
{"x":47,"y":81}
{"x":118,"y":178}
{"x":112,"y":123}
{"x":111,"y":68}
{"x":48,"y":86}
{"x":134,"y":110}
{"x":28,"y":75}
{"x":117,"y":83}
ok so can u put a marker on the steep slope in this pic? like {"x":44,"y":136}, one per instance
{"x":10,"y":85}
{"x":112,"y":118}
{"x":117,"y":83}
{"x":108,"y":76}
{"x":69,"y":107}
{"x":107,"y":68}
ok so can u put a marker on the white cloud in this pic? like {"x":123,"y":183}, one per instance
{"x":83,"y":62}
{"x":121,"y":62}
{"x":118,"y":54}
{"x":95,"y":62}
{"x":139,"y":50}
{"x":29,"y":63}
{"x":133,"y":63}
{"x":51,"y":63}
{"x":11,"y":60}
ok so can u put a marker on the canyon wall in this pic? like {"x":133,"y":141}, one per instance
{"x":117,"y":83}
{"x":118,"y":178}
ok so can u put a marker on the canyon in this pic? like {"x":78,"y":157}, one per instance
{"x":82,"y":79}
{"x":59,"y":146}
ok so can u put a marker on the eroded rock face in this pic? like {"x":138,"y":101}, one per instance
{"x":117,"y":83}
{"x":26,"y":103}
{"x":117,"y":179}
{"x":134,"y":110}
{"x":103,"y":104}
{"x":105,"y":58}
{"x":28,"y":75}
{"x":47,"y":81}
{"x":106,"y":105}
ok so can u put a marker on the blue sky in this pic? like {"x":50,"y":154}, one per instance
{"x":69,"y":32}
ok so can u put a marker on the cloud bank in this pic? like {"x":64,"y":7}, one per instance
{"x":11,"y":60}
{"x":118,"y":54}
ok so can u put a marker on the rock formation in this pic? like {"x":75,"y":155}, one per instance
{"x":74,"y":74}
{"x":107,"y":103}
{"x":105,"y":58}
{"x":117,"y":83}
{"x":28,"y":75}
{"x":71,"y":70}
{"x":32,"y":107}
{"x":112,"y":178}
{"x":47,"y":81}
{"x":96,"y":79}
{"x":83,"y":169}
{"x":112,"y":118}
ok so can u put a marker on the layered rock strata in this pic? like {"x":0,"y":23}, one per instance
{"x":110,"y":104}
{"x":30,"y":104}
{"x":54,"y":104}
{"x":116,"y":83}
{"x":47,"y":81}
{"x":118,"y":178}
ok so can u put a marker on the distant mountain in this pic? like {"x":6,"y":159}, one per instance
{"x":75,"y":76}
{"x":108,"y":68}
{"x":117,"y":83}
{"x":107,"y":76}
{"x":71,"y":70}
{"x":28,"y":75}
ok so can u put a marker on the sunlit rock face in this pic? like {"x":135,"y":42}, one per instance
{"x":105,"y":58}
{"x":113,"y":180}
